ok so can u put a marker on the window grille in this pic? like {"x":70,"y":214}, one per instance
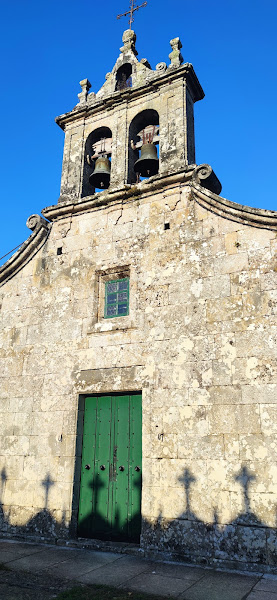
{"x":116,"y":298}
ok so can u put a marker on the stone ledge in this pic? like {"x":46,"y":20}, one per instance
{"x":204,"y":185}
{"x":254,"y":217}
{"x":87,"y":110}
{"x":128,"y":192}
{"x":37,"y":239}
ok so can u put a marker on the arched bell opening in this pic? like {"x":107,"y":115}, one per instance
{"x":97,"y":164}
{"x":124,"y":77}
{"x":143,"y":159}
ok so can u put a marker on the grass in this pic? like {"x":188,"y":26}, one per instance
{"x":103,"y":592}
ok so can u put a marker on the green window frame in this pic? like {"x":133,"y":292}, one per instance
{"x":116,"y":298}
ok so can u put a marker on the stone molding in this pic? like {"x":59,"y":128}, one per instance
{"x":201,"y":179}
{"x":204,"y":185}
{"x":161,"y":77}
{"x":36,"y":221}
{"x":128,"y":192}
{"x":254,"y":217}
{"x":205,"y":176}
{"x":41,"y":229}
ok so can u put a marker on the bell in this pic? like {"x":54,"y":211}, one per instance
{"x":100,"y":178}
{"x":148,"y":163}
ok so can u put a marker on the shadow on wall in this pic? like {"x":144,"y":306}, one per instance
{"x":117,"y":528}
{"x":246,"y":540}
{"x":42,"y":525}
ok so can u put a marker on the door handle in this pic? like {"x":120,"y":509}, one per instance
{"x":102,"y":467}
{"x":137,"y":468}
{"x":121,"y":468}
{"x":87,"y":467}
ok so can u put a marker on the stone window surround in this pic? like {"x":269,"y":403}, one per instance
{"x":100,"y":324}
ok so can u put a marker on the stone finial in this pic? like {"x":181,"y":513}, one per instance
{"x":35,"y":221}
{"x":85,"y":85}
{"x":205,"y":176}
{"x":175,"y":56}
{"x":129,"y":40}
{"x":161,"y":67}
{"x":145,"y":63}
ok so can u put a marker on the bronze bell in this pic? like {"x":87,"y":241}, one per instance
{"x":100,"y":178}
{"x":148,"y":163}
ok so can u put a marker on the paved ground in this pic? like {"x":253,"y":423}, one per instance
{"x":39,"y":572}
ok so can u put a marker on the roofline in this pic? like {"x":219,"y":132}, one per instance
{"x":87,"y":110}
{"x":207,"y":198}
{"x":205,"y":189}
{"x":27,"y":251}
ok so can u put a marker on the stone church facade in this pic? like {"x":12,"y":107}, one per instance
{"x":138,"y":339}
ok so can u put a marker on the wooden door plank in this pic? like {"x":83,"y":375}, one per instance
{"x":135,"y":476}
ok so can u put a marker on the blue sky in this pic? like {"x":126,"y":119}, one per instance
{"x":47,"y":48}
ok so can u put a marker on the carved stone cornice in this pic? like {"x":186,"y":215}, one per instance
{"x":186,"y":71}
{"x":128,"y":192}
{"x":205,"y":176}
{"x":40,"y":228}
{"x":203,"y":184}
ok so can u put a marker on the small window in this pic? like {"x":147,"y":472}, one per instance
{"x":124,"y":77}
{"x":117,"y":298}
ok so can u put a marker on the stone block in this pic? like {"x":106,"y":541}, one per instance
{"x":245,"y":281}
{"x":269,"y":280}
{"x":255,"y":371}
{"x":257,"y":447}
{"x":234,"y":419}
{"x":231,"y":242}
{"x":16,"y":445}
{"x":191,"y":420}
{"x":221,"y":373}
{"x":231,"y":264}
{"x":224,"y":309}
{"x":47,"y":423}
{"x":191,"y":447}
{"x":234,"y":542}
{"x":257,"y":342}
{"x":52,"y":445}
{"x":18,"y":492}
{"x":268,"y":419}
{"x":259,"y":394}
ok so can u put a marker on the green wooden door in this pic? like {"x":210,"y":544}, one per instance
{"x":110,"y":494}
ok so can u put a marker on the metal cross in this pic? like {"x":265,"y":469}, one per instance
{"x":130,"y":12}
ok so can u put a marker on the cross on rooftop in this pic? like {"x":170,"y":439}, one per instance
{"x":130,"y":12}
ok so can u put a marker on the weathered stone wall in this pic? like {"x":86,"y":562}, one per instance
{"x":200,"y":342}
{"x":170,"y":91}
{"x":176,"y":143}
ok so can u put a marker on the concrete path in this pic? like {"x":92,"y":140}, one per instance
{"x":68,"y":566}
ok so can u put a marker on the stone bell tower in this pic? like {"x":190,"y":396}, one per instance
{"x":136,"y":104}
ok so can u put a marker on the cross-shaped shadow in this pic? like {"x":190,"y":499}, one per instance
{"x":245,"y":478}
{"x":47,"y":483}
{"x":187,"y":479}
